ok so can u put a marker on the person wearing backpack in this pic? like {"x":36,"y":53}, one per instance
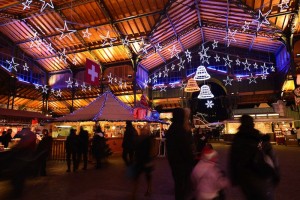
{"x":252,"y":164}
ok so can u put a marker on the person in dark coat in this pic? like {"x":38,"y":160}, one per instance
{"x":72,"y":150}
{"x":44,"y":147}
{"x":179,"y":143}
{"x":256,"y":178}
{"x":128,"y":143}
{"x":6,"y":139}
{"x":84,"y":146}
{"x":98,"y":145}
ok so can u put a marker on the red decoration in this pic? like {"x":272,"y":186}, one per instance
{"x":92,"y":72}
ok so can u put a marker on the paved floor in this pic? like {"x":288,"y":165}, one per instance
{"x":112,"y":183}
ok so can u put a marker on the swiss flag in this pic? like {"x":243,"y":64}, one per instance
{"x":92,"y":72}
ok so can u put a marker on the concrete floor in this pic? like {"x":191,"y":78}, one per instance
{"x":112,"y":183}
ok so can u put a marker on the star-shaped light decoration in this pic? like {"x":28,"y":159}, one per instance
{"x":255,"y":65}
{"x":252,"y":79}
{"x":125,"y":41}
{"x":25,"y":67}
{"x":154,"y":87}
{"x":46,"y":3}
{"x":188,"y":55}
{"x":36,"y":86}
{"x":76,"y":84}
{"x":262,"y":19}
{"x":230,"y":37}
{"x":181,"y":64}
{"x":284,"y":5}
{"x":239,"y":78}
{"x":172,"y":85}
{"x":172,"y":67}
{"x":263,"y":76}
{"x":215,"y":44}
{"x":228,"y":81}
{"x":245,"y":26}
{"x":158,"y":47}
{"x":26,"y":4}
{"x":159,"y":74}
{"x":145,"y":84}
{"x":69,"y":83}
{"x":120,"y":84}
{"x":83,"y":87}
{"x":237,"y":62}
{"x":209,"y":104}
{"x":246,"y":65}
{"x":74,"y":61}
{"x":183,"y":85}
{"x":36,"y":42}
{"x":12,"y":64}
{"x":217,"y":58}
{"x":58,"y":93}
{"x":227,"y":61}
{"x":52,"y":91}
{"x":90,"y":88}
{"x":86,"y":33}
{"x":107,"y":39}
{"x":203,"y":53}
{"x":272,"y":69}
{"x":65,"y":32}
{"x":166,"y":72}
{"x":149,"y":80}
{"x":162,"y":88}
{"x":110,"y":78}
{"x":45,"y":89}
{"x":154,"y":79}
{"x":265,"y":68}
{"x":116,"y":80}
{"x":174,"y":52}
{"x":50,"y":48}
{"x":62,"y":56}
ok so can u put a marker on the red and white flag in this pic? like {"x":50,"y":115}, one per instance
{"x":92,"y":72}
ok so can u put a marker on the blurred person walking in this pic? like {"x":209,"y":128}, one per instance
{"x":84,"y":146}
{"x":98,"y":146}
{"x":179,"y":142}
{"x":130,"y":135}
{"x":72,"y":150}
{"x":252,"y":164}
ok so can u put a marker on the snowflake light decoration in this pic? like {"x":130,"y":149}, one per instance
{"x":188,"y":55}
{"x":265,"y":69}
{"x":158,"y":47}
{"x":209,"y":104}
{"x":172,"y":67}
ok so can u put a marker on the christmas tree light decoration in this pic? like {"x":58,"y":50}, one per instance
{"x":252,"y":79}
{"x":172,"y":67}
{"x":227,"y":61}
{"x":45,"y":4}
{"x":217,"y":58}
{"x":65,"y":32}
{"x":263,"y":76}
{"x":188,"y":55}
{"x":110,"y":78}
{"x":45,"y":89}
{"x":209,"y":104}
{"x":166,"y":72}
{"x":174,"y":52}
{"x":158,"y":47}
{"x":36,"y":86}
{"x":246,"y":26}
{"x":262,"y":19}
{"x":76,"y":84}
{"x":239,"y":78}
{"x":255,"y":66}
{"x":12,"y":64}
{"x":238,"y":62}
{"x":163,"y":88}
{"x":201,"y":74}
{"x":26,"y":4}
{"x":181,"y":64}
{"x":58,"y":93}
{"x":192,"y":86}
{"x":230,"y":37}
{"x":25,"y":67}
{"x":205,"y":93}
{"x":83,"y":87}
{"x":62,"y":56}
{"x":265,"y":69}
{"x":69,"y":83}
{"x":125,"y":41}
{"x":215,"y":44}
{"x":183,"y":85}
{"x":86,"y":33}
{"x":284,"y":5}
{"x":246,"y":65}
{"x":107,"y":39}
{"x":74,"y":61}
{"x":228,"y":81}
{"x":272,"y":69}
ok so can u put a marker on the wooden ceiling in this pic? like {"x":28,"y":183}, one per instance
{"x":55,"y":36}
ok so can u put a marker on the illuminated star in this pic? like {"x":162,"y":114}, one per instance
{"x":12,"y":64}
{"x":26,"y":4}
{"x":107,"y":39}
{"x":172,"y":67}
{"x":83,"y":87}
{"x":76,"y":84}
{"x":36,"y":86}
{"x":245,"y":26}
{"x":69,"y":83}
{"x":166,"y":72}
{"x":181,"y":64}
{"x":228,"y":81}
{"x":125,"y":41}
{"x":172,"y":85}
{"x":230,"y":37}
{"x":65,"y":32}
{"x":50,"y":48}
{"x":227,"y":61}
{"x":272,"y":69}
{"x":86,"y":33}
{"x":255,"y":66}
{"x":217,"y":58}
{"x":247,"y":65}
{"x":215,"y":44}
{"x":74,"y":61}
{"x":158,"y":47}
{"x":45,"y":4}
{"x":183,"y":85}
{"x":252,"y":79}
{"x":110,"y":78}
{"x":263,"y":76}
{"x":45,"y":89}
{"x":58,"y":93}
{"x":174,"y":52}
{"x":265,"y":69}
{"x":62,"y":56}
{"x":284,"y":5}
{"x":238,"y":62}
{"x":262,"y":19}
{"x":209,"y":104}
{"x":25,"y":67}
{"x":239,"y":79}
{"x":163,"y":88}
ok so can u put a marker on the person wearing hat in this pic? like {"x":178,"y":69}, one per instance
{"x":207,"y":178}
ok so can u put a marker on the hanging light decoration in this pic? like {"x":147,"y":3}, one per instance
{"x":192,"y":86}
{"x":205,"y":93}
{"x":201,"y":74}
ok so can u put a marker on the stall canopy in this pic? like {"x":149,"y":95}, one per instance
{"x":105,"y":107}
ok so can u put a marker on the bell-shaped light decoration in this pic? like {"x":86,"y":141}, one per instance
{"x":205,"y":93}
{"x":201,"y":74}
{"x":191,"y":86}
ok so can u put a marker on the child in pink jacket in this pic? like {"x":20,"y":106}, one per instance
{"x":207,"y":178}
